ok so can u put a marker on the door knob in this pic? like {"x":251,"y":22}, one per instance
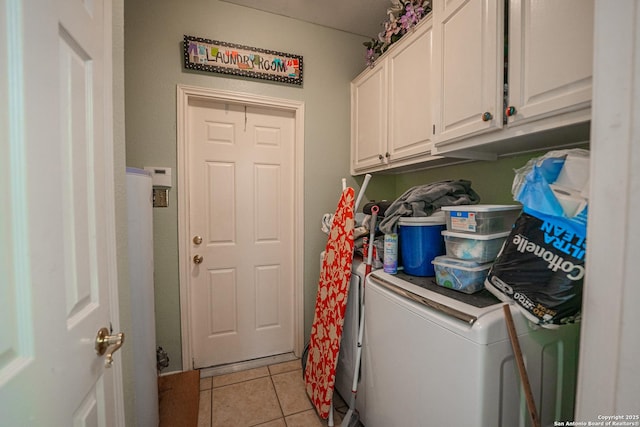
{"x":109,"y":344}
{"x":487,"y":116}
{"x":197,"y":259}
{"x":197,"y":240}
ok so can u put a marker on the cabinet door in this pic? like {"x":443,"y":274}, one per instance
{"x":468,"y":67}
{"x":369,"y":118}
{"x":410,"y":121}
{"x":550,"y":57}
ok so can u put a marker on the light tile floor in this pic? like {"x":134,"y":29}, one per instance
{"x":270,"y":396}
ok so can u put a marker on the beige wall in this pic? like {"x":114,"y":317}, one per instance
{"x":153,"y":67}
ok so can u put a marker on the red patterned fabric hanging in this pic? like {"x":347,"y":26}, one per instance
{"x":331,"y":303}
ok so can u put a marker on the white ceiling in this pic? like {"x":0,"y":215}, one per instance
{"x":362,"y":17}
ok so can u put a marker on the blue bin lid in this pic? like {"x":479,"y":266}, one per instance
{"x":414,"y":221}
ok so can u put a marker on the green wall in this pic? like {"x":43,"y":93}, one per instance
{"x":153,"y":67}
{"x":154,"y":31}
{"x":490,"y":179}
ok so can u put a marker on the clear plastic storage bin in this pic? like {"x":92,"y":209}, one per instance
{"x":479,"y":248}
{"x":464,"y":276}
{"x":481,"y":219}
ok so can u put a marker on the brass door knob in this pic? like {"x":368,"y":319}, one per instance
{"x":197,"y":240}
{"x":197,"y":259}
{"x":110,"y":343}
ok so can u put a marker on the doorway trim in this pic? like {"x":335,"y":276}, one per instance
{"x":186,"y":93}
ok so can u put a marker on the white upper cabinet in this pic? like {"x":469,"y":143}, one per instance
{"x":369,"y":118}
{"x":544,"y":96}
{"x":550,"y":57}
{"x":457,"y":87}
{"x":468,"y":67}
{"x":410,"y":129}
{"x":390,"y":105}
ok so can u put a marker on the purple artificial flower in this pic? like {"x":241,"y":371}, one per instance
{"x":401,"y":17}
{"x":405,"y":22}
{"x":370,"y":57}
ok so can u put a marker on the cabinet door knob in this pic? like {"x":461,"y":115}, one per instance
{"x":380,"y":157}
{"x":510,"y":111}
{"x":487,"y":116}
{"x":387,"y":155}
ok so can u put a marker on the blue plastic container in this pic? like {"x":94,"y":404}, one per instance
{"x":420,"y":242}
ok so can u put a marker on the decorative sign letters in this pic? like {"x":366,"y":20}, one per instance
{"x":227,"y":58}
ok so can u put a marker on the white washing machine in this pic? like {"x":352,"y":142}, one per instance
{"x":438,"y":357}
{"x":349,"y":341}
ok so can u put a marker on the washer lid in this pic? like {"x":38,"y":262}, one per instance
{"x":466,"y":307}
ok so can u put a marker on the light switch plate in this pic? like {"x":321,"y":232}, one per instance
{"x":160,"y":176}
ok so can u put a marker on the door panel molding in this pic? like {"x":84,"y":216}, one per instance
{"x":17,"y":348}
{"x":189,"y":94}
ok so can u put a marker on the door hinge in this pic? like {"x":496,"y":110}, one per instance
{"x":434,"y":129}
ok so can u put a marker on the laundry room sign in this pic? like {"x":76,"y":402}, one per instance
{"x":228,"y":58}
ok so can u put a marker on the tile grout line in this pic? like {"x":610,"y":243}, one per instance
{"x":277,"y":397}
{"x":211,"y":404}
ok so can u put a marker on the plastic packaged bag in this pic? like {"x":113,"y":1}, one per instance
{"x":541,"y":264}
{"x":532,"y":186}
{"x":541,"y":269}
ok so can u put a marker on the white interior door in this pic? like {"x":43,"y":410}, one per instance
{"x":57,"y":236}
{"x":241,"y":203}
